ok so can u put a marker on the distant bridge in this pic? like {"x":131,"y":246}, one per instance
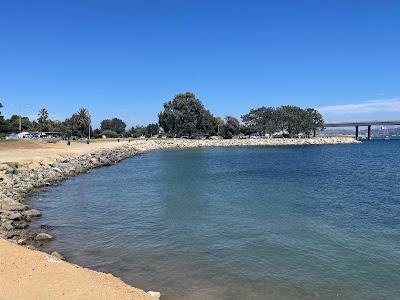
{"x":364,"y":123}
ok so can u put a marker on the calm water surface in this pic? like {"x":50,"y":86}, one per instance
{"x":312,"y":222}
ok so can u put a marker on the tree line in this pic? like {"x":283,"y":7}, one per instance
{"x":183,"y":116}
{"x":77,"y":125}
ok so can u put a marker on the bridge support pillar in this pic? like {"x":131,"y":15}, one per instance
{"x":369,"y":132}
{"x":356,"y":132}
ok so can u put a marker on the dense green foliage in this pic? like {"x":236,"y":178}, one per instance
{"x":230,"y":128}
{"x":146,"y":131}
{"x":109,"y":134}
{"x":77,"y":125}
{"x":115,"y":124}
{"x":152,"y":129}
{"x":288,"y":119}
{"x":138,"y":131}
{"x":184,"y":115}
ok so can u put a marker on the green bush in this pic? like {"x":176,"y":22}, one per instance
{"x":110,"y":134}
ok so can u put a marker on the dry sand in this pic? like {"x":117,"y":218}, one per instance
{"x":28,"y":274}
{"x":33,"y":151}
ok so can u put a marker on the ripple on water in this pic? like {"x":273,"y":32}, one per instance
{"x":317,"y":222}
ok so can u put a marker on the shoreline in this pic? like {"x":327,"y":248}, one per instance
{"x":20,"y":177}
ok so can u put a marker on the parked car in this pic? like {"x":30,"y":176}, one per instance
{"x":215,"y":137}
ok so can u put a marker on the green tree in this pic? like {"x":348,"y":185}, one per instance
{"x":263,"y":120}
{"x":42,"y":119}
{"x":13,"y":124}
{"x":152,"y":129}
{"x":211,"y":124}
{"x":313,"y":121}
{"x":110,"y":133}
{"x":290,"y":119}
{"x":115,"y":124}
{"x":138,"y":131}
{"x":231,"y":127}
{"x":56,"y":126}
{"x":185,"y":115}
{"x":83,"y":119}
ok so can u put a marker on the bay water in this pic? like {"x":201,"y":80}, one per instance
{"x":300,"y":222}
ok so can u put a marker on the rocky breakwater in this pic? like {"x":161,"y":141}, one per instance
{"x":19,"y":180}
{"x":265,"y":142}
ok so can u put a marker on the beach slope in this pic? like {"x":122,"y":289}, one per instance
{"x":29,"y":274}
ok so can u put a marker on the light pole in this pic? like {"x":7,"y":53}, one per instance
{"x":20,"y":108}
{"x":88,"y":141}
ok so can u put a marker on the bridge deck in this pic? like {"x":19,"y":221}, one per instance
{"x":363,"y":123}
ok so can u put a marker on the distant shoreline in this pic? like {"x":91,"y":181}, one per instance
{"x":27,"y":167}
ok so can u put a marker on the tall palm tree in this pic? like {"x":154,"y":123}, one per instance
{"x":42,"y":118}
{"x":84,"y":119}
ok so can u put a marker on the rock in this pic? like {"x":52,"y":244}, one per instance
{"x":21,"y":241}
{"x":10,"y":169}
{"x":44,"y":237}
{"x":8,"y":227}
{"x":20,"y":224}
{"x":57,"y":255}
{"x":15,"y":216}
{"x":155,"y":295}
{"x":31,"y":247}
{"x":12,"y":205}
{"x":32,"y":213}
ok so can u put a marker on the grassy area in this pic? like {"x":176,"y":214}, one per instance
{"x":122,"y":139}
{"x":11,"y":141}
{"x":78,"y":141}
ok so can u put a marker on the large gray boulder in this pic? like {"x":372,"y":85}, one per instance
{"x":44,"y":237}
{"x":32,"y":213}
{"x":57,"y":255}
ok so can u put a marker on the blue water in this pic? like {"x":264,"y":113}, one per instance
{"x":312,"y":222}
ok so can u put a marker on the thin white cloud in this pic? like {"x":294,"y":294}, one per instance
{"x":391,"y":105}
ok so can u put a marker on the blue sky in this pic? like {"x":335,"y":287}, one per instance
{"x":125,"y":58}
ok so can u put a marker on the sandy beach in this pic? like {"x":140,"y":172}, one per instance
{"x":26,"y":166}
{"x":27,"y":274}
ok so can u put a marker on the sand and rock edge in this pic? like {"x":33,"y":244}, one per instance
{"x":18,"y":180}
